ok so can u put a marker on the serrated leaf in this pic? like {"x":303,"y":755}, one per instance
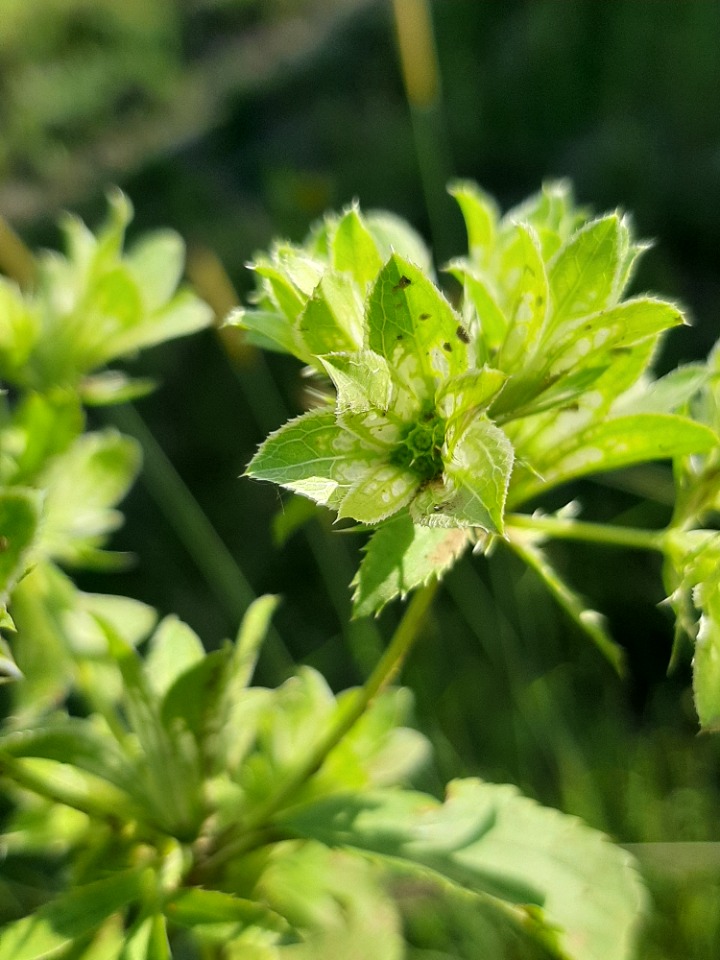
{"x":314,"y":456}
{"x":332,"y":319}
{"x":57,"y":925}
{"x":354,"y":250}
{"x":362,"y":380}
{"x":401,"y":556}
{"x":489,"y":839}
{"x":480,"y":213}
{"x":524,"y":296}
{"x":382,"y":490}
{"x":581,"y":340}
{"x":614,"y":443}
{"x":583,"y":275}
{"x":409,"y":322}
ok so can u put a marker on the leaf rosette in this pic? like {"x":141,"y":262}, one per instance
{"x":443,"y":418}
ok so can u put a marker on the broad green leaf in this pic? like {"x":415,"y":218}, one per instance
{"x":590,"y":621}
{"x":615,"y":443}
{"x":524,"y":298}
{"x":354,"y":250}
{"x":392,"y":234}
{"x":314,"y":456}
{"x":183,"y":315}
{"x":480,"y":213}
{"x":383,"y":490}
{"x":57,"y":925}
{"x":401,"y":556}
{"x":412,"y":326}
{"x":156,"y":264}
{"x":336,"y":903}
{"x":444,"y":922}
{"x":669,"y":393}
{"x":582,"y":339}
{"x":83,"y":486}
{"x":474,"y":486}
{"x":332,"y":319}
{"x":489,"y":839}
{"x":268,"y":330}
{"x":583,"y":275}
{"x":19,"y":517}
{"x":173,"y":649}
{"x":362,"y":380}
{"x":217,"y":916}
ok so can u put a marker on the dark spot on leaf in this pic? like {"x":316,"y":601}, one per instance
{"x":424,"y":316}
{"x":400,"y":336}
{"x":402,"y":283}
{"x":539,"y":300}
{"x":447,"y":346}
{"x":4,"y":544}
{"x":462,"y":334}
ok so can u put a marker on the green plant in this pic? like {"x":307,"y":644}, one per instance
{"x":159,"y":805}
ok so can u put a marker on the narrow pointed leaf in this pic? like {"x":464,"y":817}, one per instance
{"x":53,"y":928}
{"x":480,"y":213}
{"x":332,"y":319}
{"x":525,"y":296}
{"x":19,"y":516}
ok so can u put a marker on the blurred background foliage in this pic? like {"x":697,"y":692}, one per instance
{"x":237,"y":120}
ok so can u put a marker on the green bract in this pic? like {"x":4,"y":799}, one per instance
{"x":443,"y":416}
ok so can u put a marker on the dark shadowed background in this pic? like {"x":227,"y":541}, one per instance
{"x":237,"y":120}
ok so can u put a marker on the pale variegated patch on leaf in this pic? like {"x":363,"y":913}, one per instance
{"x":362,"y":380}
{"x":382,"y":491}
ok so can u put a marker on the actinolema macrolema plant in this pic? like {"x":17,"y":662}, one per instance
{"x":444,"y":420}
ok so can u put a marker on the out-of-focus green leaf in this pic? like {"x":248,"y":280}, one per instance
{"x":336,"y":904}
{"x":19,"y":517}
{"x":706,"y":663}
{"x":83,"y":486}
{"x":614,"y":443}
{"x":401,"y":556}
{"x":491,"y":840}
{"x":147,"y":941}
{"x":217,"y":916}
{"x":55,"y":927}
{"x":173,"y":649}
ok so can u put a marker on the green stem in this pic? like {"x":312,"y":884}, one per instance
{"x":345,"y":719}
{"x":566,"y":529}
